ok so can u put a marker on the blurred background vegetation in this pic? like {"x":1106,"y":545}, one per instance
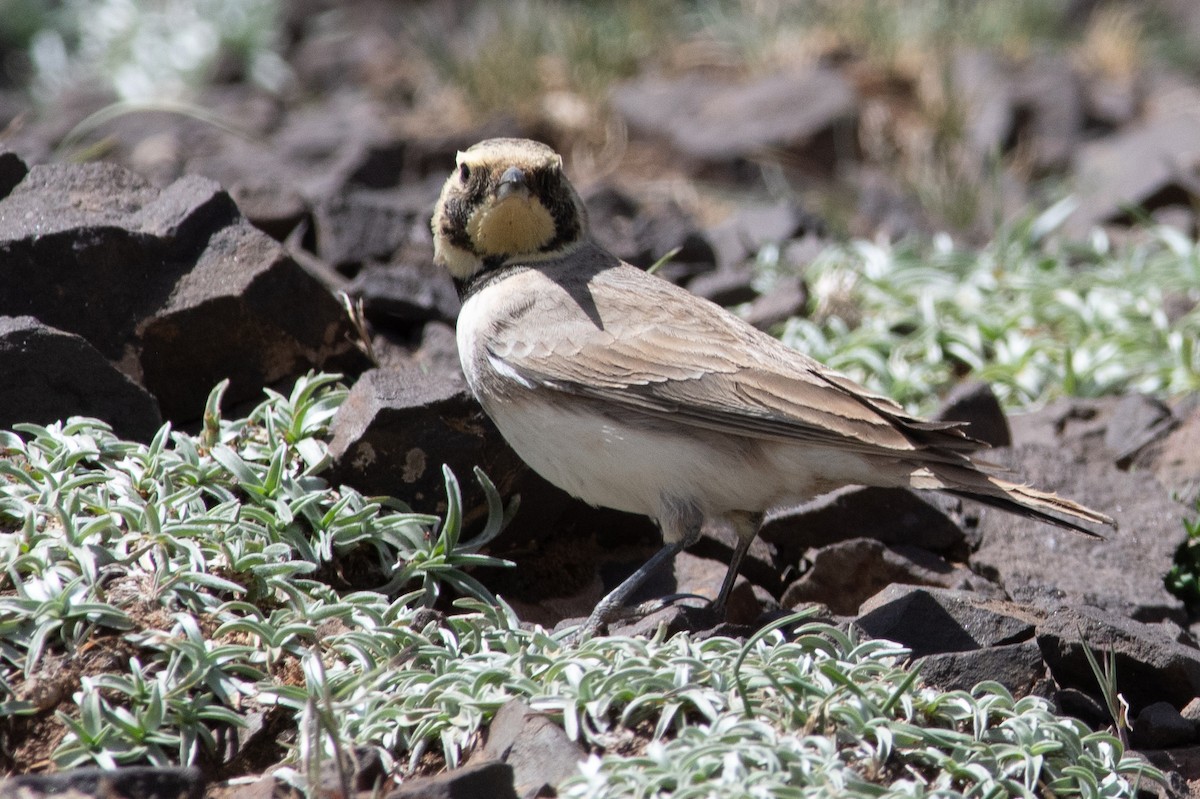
{"x":544,"y":62}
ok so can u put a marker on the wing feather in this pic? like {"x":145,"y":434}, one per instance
{"x":646,"y":345}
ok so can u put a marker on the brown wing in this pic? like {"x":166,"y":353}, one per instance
{"x":637,"y":342}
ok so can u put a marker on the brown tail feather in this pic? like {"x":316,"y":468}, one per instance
{"x":965,"y":481}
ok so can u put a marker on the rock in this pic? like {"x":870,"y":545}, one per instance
{"x":844,"y":575}
{"x":1161,"y":726}
{"x":1077,"y":426}
{"x":1086,"y":707}
{"x":12,"y":172}
{"x":932,"y":620}
{"x":273,"y":209}
{"x":1113,"y":100}
{"x":1018,"y":667}
{"x":1132,"y":167}
{"x":1183,"y":16}
{"x":645,"y":234}
{"x":1179,"y":217}
{"x":976,"y":404}
{"x":569,"y":555}
{"x":491,"y":779}
{"x":362,"y":225}
{"x":1123,"y":573}
{"x":750,"y":228}
{"x":438,"y":350}
{"x":982,"y":89}
{"x":50,"y":375}
{"x":1175,"y":460}
{"x":398,"y":427}
{"x":721,"y":121}
{"x":1137,"y":421}
{"x":1048,"y":95}
{"x":1181,"y":767}
{"x":242,"y":288}
{"x":703,"y":577}
{"x":408,"y":292}
{"x":889,"y":515}
{"x":1150,"y":665}
{"x":93,"y":249}
{"x":788,"y":297}
{"x":1191,"y":711}
{"x":885,"y":208}
{"x":671,"y":619}
{"x":173,"y":285}
{"x":142,"y":782}
{"x":760,"y":565}
{"x":538,"y":750}
{"x":731,"y":286}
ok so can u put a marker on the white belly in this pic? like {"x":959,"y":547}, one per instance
{"x":631,"y":468}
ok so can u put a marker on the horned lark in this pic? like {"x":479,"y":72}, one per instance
{"x":631,"y":393}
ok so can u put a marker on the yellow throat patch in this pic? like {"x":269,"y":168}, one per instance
{"x":513,"y":226}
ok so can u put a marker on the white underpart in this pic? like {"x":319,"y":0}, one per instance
{"x":614,"y":465}
{"x":631,"y":467}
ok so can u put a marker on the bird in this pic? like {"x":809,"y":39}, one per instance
{"x":630,"y":392}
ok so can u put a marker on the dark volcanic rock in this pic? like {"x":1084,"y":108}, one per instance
{"x":788,"y":297}
{"x":491,"y":779}
{"x":1122,"y":573}
{"x":719,"y":121}
{"x":1018,"y":667}
{"x":1161,"y":726}
{"x":539,"y":751}
{"x":363,"y":225}
{"x":643,"y":235}
{"x":845,"y":574}
{"x":173,"y":285}
{"x":890,"y":515}
{"x":934,"y":620}
{"x":398,"y":427}
{"x":405,"y":292}
{"x":243,"y":289}
{"x":50,"y":375}
{"x":749,"y":229}
{"x":1175,"y":460}
{"x":142,"y":782}
{"x":982,"y":88}
{"x":760,"y":565}
{"x":1151,"y":665}
{"x":1137,"y":421}
{"x":976,"y":404}
{"x":12,"y":172}
{"x":730,"y":286}
{"x":1049,"y":95}
{"x":93,"y":249}
{"x":1146,"y":163}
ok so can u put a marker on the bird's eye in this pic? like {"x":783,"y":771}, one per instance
{"x":464,"y":172}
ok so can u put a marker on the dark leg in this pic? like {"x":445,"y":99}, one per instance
{"x":746,"y":525}
{"x":681,"y":517}
{"x":616,"y":598}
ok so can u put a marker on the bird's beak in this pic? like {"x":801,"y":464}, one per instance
{"x":512,"y":182}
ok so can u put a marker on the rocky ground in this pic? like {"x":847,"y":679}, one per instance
{"x":130,"y":285}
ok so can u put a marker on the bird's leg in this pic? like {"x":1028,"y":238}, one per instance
{"x":680,"y":522}
{"x":746,"y":526}
{"x":606,"y":608}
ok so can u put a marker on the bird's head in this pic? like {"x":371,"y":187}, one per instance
{"x":507,"y":200}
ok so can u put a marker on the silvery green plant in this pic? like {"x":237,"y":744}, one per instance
{"x":156,"y":51}
{"x":1030,"y":314}
{"x":206,"y":568}
{"x":209,"y":557}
